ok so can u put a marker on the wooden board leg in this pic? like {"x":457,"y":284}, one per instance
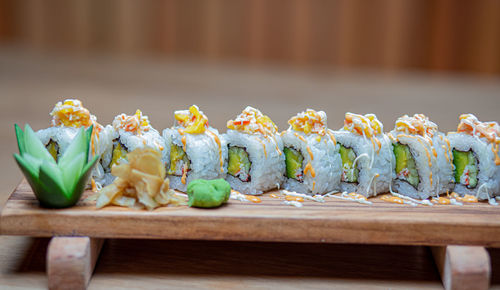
{"x":71,"y":261}
{"x":463,"y":267}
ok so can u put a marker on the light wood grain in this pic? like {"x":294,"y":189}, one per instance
{"x":71,"y":261}
{"x":463,"y":267}
{"x":335,"y":221}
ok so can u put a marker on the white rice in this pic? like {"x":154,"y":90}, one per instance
{"x":203,"y":153}
{"x":376,"y":167}
{"x":325,"y":161}
{"x":488,"y":174}
{"x":267,"y":159}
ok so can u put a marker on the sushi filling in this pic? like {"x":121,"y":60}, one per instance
{"x":53,"y":149}
{"x":406,"y":168}
{"x":119,"y":153}
{"x":349,"y":172}
{"x":466,"y":168}
{"x":238,"y":163}
{"x":179,"y":161}
{"x":294,"y":161}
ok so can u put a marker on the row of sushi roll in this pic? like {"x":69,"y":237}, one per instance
{"x":414,"y":160}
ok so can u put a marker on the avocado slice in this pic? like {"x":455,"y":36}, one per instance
{"x":465,"y":168}
{"x":293,"y":160}
{"x":53,"y":148}
{"x":119,"y":152}
{"x":177,"y":160}
{"x":238,"y":163}
{"x":406,"y":168}
{"x":349,"y":173}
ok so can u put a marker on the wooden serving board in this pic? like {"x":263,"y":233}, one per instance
{"x":335,"y":221}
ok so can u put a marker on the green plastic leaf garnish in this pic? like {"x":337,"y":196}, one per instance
{"x":55,"y":184}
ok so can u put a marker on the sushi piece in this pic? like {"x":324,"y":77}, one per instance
{"x":423,"y":158}
{"x":312,"y":158}
{"x":197,"y":151}
{"x":129,"y":133}
{"x":366,"y":154}
{"x":474,"y":148}
{"x":67,"y":118}
{"x":256,"y":162}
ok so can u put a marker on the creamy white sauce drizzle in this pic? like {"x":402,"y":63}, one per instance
{"x":317,"y":198}
{"x":491,"y":201}
{"x":415,"y":201}
{"x":455,"y":202}
{"x":238,"y":196}
{"x":344,"y":196}
{"x":293,"y":203}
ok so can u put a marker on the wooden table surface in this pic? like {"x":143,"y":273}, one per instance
{"x":30,"y":85}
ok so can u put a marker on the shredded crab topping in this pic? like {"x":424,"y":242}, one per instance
{"x":469,"y":124}
{"x":253,"y":121}
{"x":419,"y":124}
{"x":367,"y":125}
{"x":310,"y":121}
{"x":193,"y":120}
{"x":136,"y":124}
{"x":71,"y":113}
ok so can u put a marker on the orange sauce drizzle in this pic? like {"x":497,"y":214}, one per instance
{"x":309,"y":168}
{"x":94,"y":186}
{"x":300,"y":137}
{"x":276,"y":144}
{"x":469,"y":198}
{"x":332,"y":137}
{"x":181,"y":131}
{"x":264,"y":146}
{"x":294,"y":198}
{"x":184,"y":173}
{"x":217,"y":140}
{"x":391,"y":198}
{"x":434,"y":152}
{"x":495,"y":148}
{"x":183,"y":140}
{"x":466,"y":198}
{"x":253,"y":198}
{"x":310,"y":153}
{"x":446,"y":154}
{"x":273,"y":195}
{"x":314,"y":185}
{"x":442,"y":200}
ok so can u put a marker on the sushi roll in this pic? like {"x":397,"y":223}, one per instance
{"x":366,"y":154}
{"x":474,"y":148}
{"x":422,"y":156}
{"x":197,"y":151}
{"x":127,"y":134}
{"x":256,"y":162}
{"x":312,"y":158}
{"x":67,"y":118}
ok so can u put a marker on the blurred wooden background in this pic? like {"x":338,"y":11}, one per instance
{"x":381,"y":34}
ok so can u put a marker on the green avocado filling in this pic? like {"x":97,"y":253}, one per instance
{"x":238,"y":163}
{"x":119,"y":152}
{"x":208,"y":193}
{"x":465,"y":168}
{"x":53,"y":148}
{"x":349,"y":172}
{"x":178,"y":158}
{"x":406,"y":168}
{"x":293,"y":161}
